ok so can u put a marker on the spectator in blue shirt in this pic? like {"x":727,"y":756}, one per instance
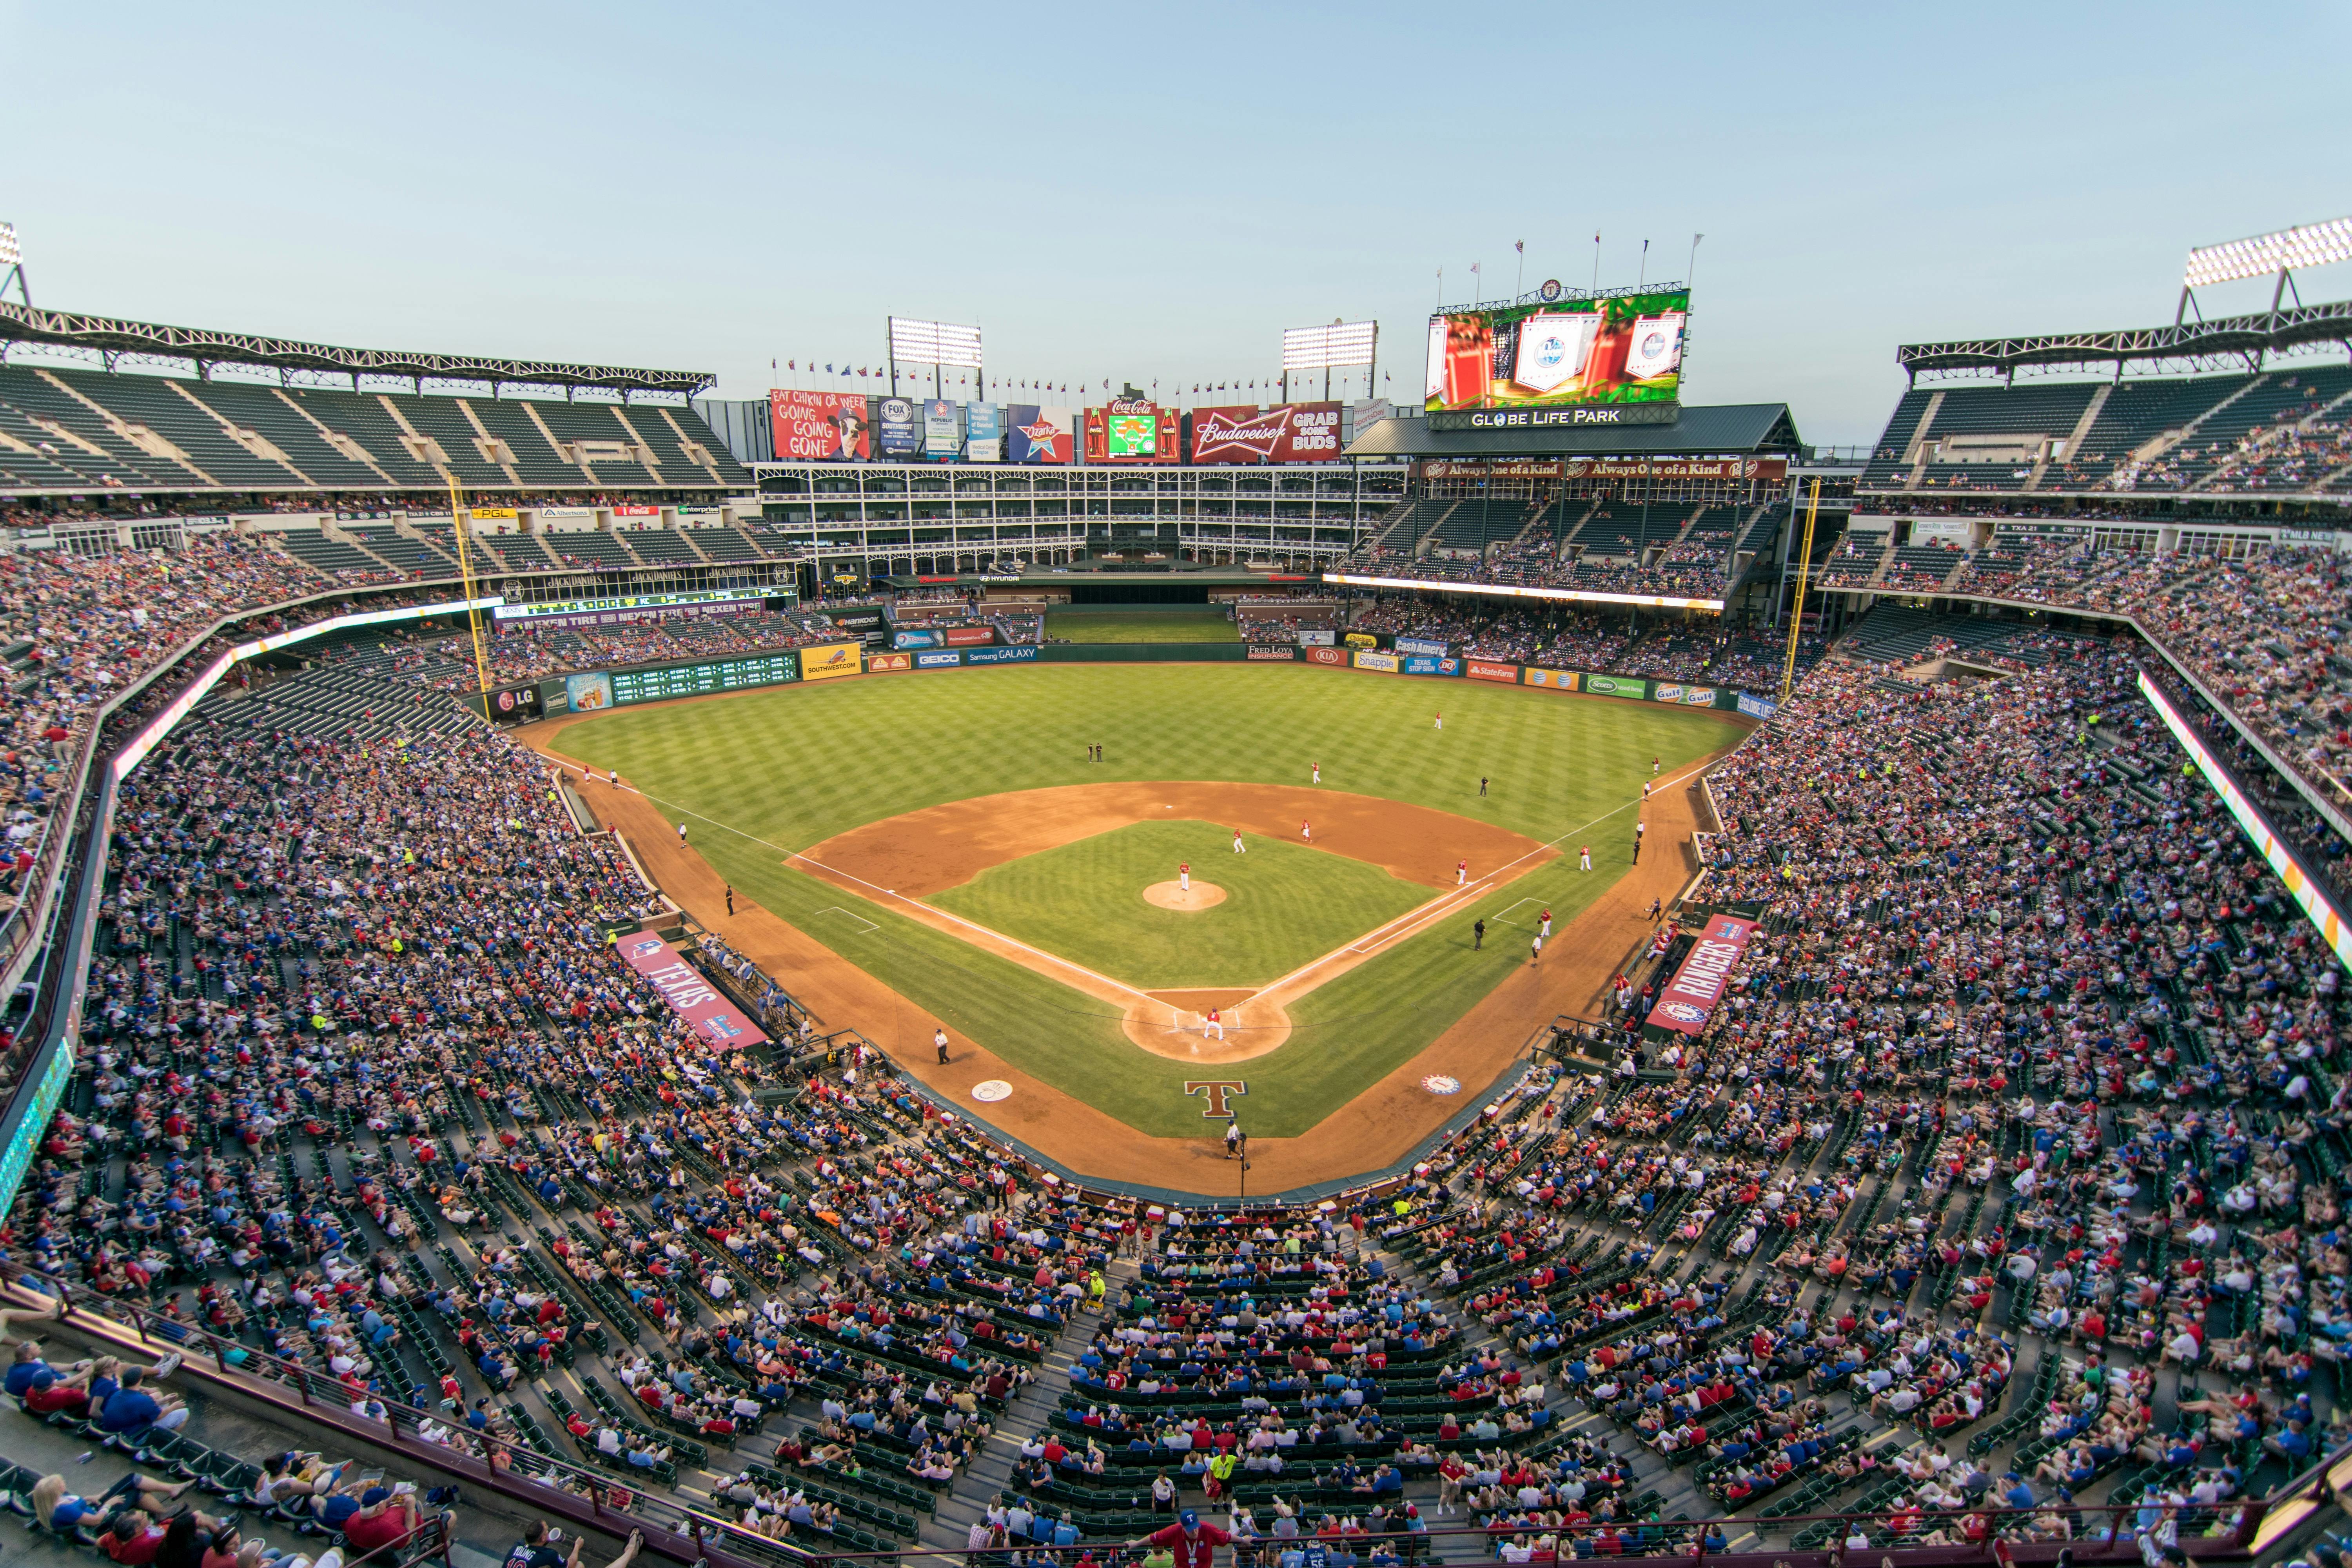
{"x":132,"y":1409}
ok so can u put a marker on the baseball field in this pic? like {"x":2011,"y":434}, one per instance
{"x":947,"y":836}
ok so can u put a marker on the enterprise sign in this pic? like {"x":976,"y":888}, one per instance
{"x":1554,"y":418}
{"x":1517,"y":591}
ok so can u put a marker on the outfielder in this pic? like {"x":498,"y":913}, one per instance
{"x":1316,"y":768}
{"x":1212,"y":1024}
{"x":1239,"y":848}
{"x":1441,"y":721}
{"x":1584,"y":858}
{"x":1546,"y":923}
{"x":1184,"y":877}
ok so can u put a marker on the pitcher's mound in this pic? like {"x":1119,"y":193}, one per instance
{"x":1171,"y":895}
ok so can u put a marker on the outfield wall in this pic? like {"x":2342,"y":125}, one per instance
{"x":588,"y":692}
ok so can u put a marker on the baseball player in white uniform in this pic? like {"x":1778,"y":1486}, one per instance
{"x":1546,"y":923}
{"x":1461,"y":873}
{"x":1584,"y":858}
{"x":1316,"y":768}
{"x":1212,"y":1024}
{"x":1184,"y":877}
{"x":1239,"y":848}
{"x":1306,"y":831}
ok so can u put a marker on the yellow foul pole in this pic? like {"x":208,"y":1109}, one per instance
{"x":461,"y":524}
{"x":1796,"y":608}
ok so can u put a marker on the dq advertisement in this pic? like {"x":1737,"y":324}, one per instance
{"x":1689,"y":999}
{"x":984,"y":432}
{"x":942,"y":431}
{"x":1628,"y":349}
{"x":1289,"y":432}
{"x":1133,"y":430}
{"x":819,"y":426}
{"x":901,"y":436}
{"x":1429,"y":664}
{"x":830,"y":660}
{"x":691,"y":996}
{"x":1036,"y":433}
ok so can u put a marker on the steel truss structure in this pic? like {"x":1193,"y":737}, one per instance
{"x":2201,"y":345}
{"x":973,"y":512}
{"x":113,"y":339}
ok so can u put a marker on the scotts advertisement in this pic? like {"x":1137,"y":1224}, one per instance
{"x":901,"y":436}
{"x":693,"y":997}
{"x":984,"y":432}
{"x":1759,"y":470}
{"x":1133,"y":430}
{"x":1289,"y":433}
{"x":1689,"y":999}
{"x":1616,"y":686}
{"x":942,"y":431}
{"x":1034,"y":434}
{"x":819,"y":427}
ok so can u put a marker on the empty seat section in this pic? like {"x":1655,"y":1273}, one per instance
{"x":310,"y":545}
{"x":536,"y":462}
{"x":661,"y":546}
{"x":153,"y":402}
{"x":261,"y":410}
{"x":441,"y":419}
{"x":363,"y":417}
{"x":416,"y":559}
{"x":36,"y":398}
{"x":722,"y":544}
{"x":601,"y":422}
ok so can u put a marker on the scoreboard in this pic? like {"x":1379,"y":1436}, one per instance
{"x":694,"y":680}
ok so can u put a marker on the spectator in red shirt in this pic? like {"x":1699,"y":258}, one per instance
{"x":1195,"y":1544}
{"x":383,"y":1519}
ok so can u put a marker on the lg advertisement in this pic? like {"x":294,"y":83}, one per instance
{"x":1627,"y":348}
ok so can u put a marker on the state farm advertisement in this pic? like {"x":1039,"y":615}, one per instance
{"x":1480,"y":669}
{"x":1689,"y":999}
{"x":1289,"y":432}
{"x":820,"y":426}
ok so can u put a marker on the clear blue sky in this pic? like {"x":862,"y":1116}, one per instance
{"x":1156,"y":191}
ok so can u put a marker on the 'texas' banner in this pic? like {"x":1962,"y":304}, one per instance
{"x":1689,"y":999}
{"x":1289,"y":433}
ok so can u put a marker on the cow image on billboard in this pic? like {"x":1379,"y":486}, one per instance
{"x":819,"y":426}
{"x":1623,"y":349}
{"x":1287,"y":433}
{"x":1036,"y":434}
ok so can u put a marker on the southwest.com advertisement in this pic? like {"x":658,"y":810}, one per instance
{"x":1628,"y":349}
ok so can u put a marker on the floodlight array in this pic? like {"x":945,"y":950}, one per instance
{"x":933,"y":343}
{"x":1321,"y":348}
{"x":2308,"y":244}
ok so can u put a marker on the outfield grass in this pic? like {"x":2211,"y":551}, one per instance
{"x":1286,"y":904}
{"x":1141,"y":625}
{"x":768,"y":772}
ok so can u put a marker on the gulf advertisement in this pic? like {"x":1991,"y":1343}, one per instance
{"x":896,"y":428}
{"x":984,"y":432}
{"x":1287,"y":433}
{"x":831,"y":660}
{"x":1690,"y":997}
{"x":689,"y":995}
{"x":1034,"y":433}
{"x":942,"y":431}
{"x":1133,"y":430}
{"x":1623,"y":349}
{"x":819,"y":427}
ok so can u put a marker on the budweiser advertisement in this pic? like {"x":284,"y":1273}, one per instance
{"x":1287,"y":433}
{"x":822,"y":426}
{"x":1036,"y":433}
{"x":1133,"y":430}
{"x":1690,"y":997}
{"x":688,"y":993}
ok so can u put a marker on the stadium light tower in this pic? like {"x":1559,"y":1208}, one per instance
{"x":1325,"y":348}
{"x":934,"y":344}
{"x":12,"y":265}
{"x":2280,"y":251}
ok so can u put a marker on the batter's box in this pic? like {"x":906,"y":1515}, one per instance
{"x":845,"y":914}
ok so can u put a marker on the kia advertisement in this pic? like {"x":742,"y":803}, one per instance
{"x":1627,"y":348}
{"x":1034,"y":434}
{"x":1289,"y":433}
{"x":819,"y":426}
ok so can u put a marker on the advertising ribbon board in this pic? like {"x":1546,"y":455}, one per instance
{"x":1287,"y":433}
{"x":1557,"y":680}
{"x":1507,"y":674}
{"x":1757,"y":706}
{"x":879,"y":661}
{"x":1331,"y":656}
{"x":1367,"y":659}
{"x":689,"y":995}
{"x":831,"y":660}
{"x":903,"y":639}
{"x":1616,"y":686}
{"x":938,"y":660}
{"x":1689,"y":999}
{"x":1272,"y":653}
{"x":1420,"y":645}
{"x":1001,"y":656}
{"x":970,"y":637}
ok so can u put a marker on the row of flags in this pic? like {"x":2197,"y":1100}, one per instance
{"x":1024,"y":384}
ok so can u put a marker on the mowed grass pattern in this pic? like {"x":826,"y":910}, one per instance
{"x":1285,"y":904}
{"x":764,"y":772}
{"x":1141,"y":625}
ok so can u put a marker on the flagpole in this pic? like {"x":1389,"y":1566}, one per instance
{"x":1692,"y":271}
{"x":1521,"y":281}
{"x":1645,"y":264}
{"x":1596,"y":261}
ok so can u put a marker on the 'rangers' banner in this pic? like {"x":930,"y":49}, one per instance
{"x":1289,"y":432}
{"x":683,"y":987}
{"x":1689,"y":999}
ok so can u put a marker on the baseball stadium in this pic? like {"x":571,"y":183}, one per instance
{"x":1148,"y":980}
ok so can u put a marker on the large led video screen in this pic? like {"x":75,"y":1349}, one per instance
{"x":1628,"y":349}
{"x":1132,"y":430}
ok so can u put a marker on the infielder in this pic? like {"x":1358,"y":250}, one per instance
{"x":1584,"y":858}
{"x":1239,"y":848}
{"x":1184,"y":877}
{"x":1646,"y":789}
{"x":1306,"y":831}
{"x":1461,"y":873}
{"x":1547,"y":924}
{"x":1212,"y":1024}
{"x":1316,"y":768}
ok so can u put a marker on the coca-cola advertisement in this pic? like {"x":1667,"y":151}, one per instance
{"x":822,"y":426}
{"x":1287,"y":433}
{"x":1132,"y":430}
